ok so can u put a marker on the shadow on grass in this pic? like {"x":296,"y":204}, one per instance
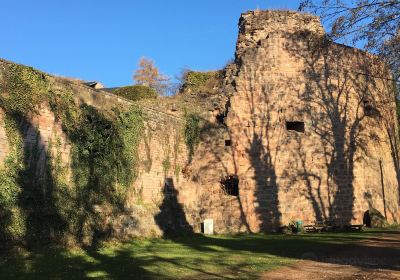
{"x":63,"y":264}
{"x":202,"y":257}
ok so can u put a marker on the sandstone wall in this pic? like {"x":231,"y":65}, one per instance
{"x":285,"y":73}
{"x":339,"y":166}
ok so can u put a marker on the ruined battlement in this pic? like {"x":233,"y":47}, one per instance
{"x":257,"y":25}
{"x":296,"y":128}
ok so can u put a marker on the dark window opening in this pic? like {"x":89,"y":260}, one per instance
{"x":222,"y":115}
{"x":367,"y":219}
{"x":369,"y":108}
{"x":169,"y":187}
{"x":231,"y":185}
{"x":221,"y":118}
{"x":228,"y":143}
{"x":295,"y":126}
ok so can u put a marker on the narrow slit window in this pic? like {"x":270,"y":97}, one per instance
{"x":295,"y":126}
{"x":231,"y":185}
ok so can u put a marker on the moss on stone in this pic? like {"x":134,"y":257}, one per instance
{"x":195,"y":81}
{"x":136,"y":92}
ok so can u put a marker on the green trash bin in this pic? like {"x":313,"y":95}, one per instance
{"x":299,"y":226}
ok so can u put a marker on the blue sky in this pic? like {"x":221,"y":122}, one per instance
{"x":103,"y":40}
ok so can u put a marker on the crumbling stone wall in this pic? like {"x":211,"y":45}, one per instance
{"x":308,"y":127}
{"x":286,"y":71}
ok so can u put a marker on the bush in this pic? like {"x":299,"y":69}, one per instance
{"x":136,"y":92}
{"x":376,"y":219}
{"x":200,"y":81}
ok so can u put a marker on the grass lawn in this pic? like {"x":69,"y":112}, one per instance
{"x":195,"y":257}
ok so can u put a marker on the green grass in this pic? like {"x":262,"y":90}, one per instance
{"x":195,"y":257}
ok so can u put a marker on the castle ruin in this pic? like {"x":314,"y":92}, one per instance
{"x":296,"y":128}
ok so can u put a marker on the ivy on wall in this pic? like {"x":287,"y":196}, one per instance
{"x":136,"y":92}
{"x":12,"y":222}
{"x":192,"y":133}
{"x":200,"y":81}
{"x":23,"y":89}
{"x":104,"y":161}
{"x":148,"y":162}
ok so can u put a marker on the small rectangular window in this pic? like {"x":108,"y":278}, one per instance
{"x":231,"y":185}
{"x":228,"y":143}
{"x":295,"y":126}
{"x":369,"y":108}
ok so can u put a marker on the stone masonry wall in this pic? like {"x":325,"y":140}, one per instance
{"x":285,"y":71}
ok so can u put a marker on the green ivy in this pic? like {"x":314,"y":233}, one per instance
{"x":148,"y":162}
{"x":177,"y":172}
{"x":104,"y":155}
{"x":176,"y":151}
{"x":136,"y":92}
{"x":104,"y":160}
{"x":23,"y":89}
{"x":192,"y":133}
{"x":13,"y":221}
{"x":166,"y":164}
{"x":198,"y":81}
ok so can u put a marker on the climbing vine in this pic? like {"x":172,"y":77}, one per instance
{"x":103,"y":161}
{"x":136,"y":92}
{"x":104,"y":154}
{"x":166,"y":164}
{"x":148,"y":162}
{"x":13,"y":220}
{"x":176,"y":147}
{"x":192,"y":133}
{"x":200,"y":81}
{"x":23,"y":89}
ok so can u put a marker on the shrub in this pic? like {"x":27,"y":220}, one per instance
{"x":136,"y":92}
{"x":200,"y":81}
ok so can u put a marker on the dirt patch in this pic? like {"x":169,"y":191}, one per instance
{"x":377,"y":257}
{"x":318,"y":270}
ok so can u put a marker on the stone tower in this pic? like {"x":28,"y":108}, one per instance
{"x":312,"y":124}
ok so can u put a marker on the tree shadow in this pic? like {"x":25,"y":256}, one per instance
{"x":172,"y":219}
{"x":338,"y":248}
{"x":38,"y":221}
{"x":91,"y":263}
{"x":333,"y":89}
{"x":336,"y":99}
{"x":154,"y":259}
{"x":255,"y":134}
{"x":71,"y":202}
{"x":220,"y":164}
{"x":266,"y":193}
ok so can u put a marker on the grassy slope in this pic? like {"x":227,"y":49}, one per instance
{"x":199,"y":257}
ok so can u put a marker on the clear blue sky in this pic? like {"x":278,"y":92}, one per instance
{"x":103,"y":39}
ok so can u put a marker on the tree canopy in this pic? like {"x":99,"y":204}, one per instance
{"x":372,"y":24}
{"x":148,"y":75}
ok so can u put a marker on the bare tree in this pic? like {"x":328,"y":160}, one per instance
{"x":373,"y":23}
{"x":149,"y":75}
